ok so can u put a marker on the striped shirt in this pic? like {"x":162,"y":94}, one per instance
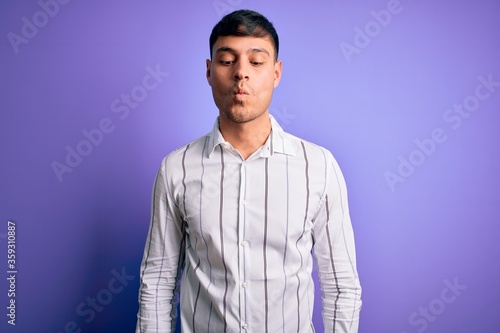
{"x":242,"y":234}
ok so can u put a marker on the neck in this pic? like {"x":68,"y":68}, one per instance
{"x":246,"y":137}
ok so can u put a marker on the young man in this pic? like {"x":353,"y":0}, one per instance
{"x":237,"y":213}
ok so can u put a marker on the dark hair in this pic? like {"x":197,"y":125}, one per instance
{"x":245,"y":23}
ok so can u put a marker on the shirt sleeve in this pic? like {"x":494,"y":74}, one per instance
{"x":162,"y":261}
{"x":335,"y":256}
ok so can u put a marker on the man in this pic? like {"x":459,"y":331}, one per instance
{"x":237,"y":213}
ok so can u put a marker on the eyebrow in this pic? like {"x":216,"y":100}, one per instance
{"x":231,"y":50}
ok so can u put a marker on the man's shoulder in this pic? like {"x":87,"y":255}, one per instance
{"x":311,"y":149}
{"x":178,"y":154}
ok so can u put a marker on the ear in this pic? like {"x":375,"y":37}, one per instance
{"x":208,"y":73}
{"x":278,"y":69}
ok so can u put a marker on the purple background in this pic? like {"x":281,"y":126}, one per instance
{"x":439,"y":226}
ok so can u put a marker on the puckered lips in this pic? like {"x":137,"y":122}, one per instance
{"x":240,"y":93}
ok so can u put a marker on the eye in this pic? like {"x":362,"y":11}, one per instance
{"x":257,"y":63}
{"x":226,"y":62}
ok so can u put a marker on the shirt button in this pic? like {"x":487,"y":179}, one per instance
{"x":243,"y":202}
{"x":244,"y":243}
{"x":244,"y":326}
{"x":244,"y":285}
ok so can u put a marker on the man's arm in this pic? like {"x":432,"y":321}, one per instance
{"x":162,"y":261}
{"x":335,"y":256}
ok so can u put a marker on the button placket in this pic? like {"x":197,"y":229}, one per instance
{"x":243,"y":245}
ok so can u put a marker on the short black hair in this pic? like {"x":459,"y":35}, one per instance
{"x":242,"y":23}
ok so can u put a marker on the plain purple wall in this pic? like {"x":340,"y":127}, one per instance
{"x":406,"y":95}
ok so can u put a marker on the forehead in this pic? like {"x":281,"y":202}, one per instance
{"x":243,"y":44}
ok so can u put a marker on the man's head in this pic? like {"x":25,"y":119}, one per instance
{"x":244,"y":23}
{"x":243,"y":69}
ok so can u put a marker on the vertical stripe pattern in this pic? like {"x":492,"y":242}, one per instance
{"x":240,"y":233}
{"x":221,"y":234}
{"x":264,"y":248}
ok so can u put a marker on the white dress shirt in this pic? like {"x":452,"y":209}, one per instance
{"x":241,"y":234}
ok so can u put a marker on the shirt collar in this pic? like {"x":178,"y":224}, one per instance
{"x":278,"y":141}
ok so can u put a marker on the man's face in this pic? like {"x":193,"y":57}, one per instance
{"x":243,"y":74}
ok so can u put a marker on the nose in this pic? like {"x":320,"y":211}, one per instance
{"x":241,"y":72}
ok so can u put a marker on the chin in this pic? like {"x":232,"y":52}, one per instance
{"x":240,"y":116}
